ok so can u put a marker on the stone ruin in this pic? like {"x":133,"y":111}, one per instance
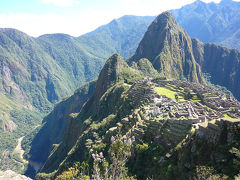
{"x":170,"y":120}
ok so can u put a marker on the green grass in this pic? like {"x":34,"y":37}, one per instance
{"x":7,"y":104}
{"x":209,"y":95}
{"x":231,"y":119}
{"x":227,"y":116}
{"x":168,"y":93}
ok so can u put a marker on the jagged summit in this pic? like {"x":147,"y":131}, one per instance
{"x":109,"y":74}
{"x":169,"y":49}
{"x":165,"y":18}
{"x":115,"y":69}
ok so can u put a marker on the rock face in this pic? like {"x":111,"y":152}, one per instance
{"x":9,"y":126}
{"x":109,"y":74}
{"x":11,"y":175}
{"x":222,"y":64}
{"x":168,"y":47}
{"x":115,"y":69}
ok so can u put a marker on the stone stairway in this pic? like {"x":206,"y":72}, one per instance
{"x":174,"y":132}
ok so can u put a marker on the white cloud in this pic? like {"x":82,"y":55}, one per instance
{"x":36,"y":25}
{"x":79,"y":23}
{"x":62,"y":3}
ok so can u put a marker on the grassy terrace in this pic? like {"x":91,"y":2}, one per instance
{"x":209,"y":95}
{"x":168,"y":93}
{"x":231,"y":119}
{"x":227,"y":116}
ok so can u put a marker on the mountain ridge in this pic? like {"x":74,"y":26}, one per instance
{"x":211,"y":22}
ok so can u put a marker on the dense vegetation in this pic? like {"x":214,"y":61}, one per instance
{"x":25,"y":121}
{"x":31,"y":82}
{"x":16,"y":119}
{"x":37,"y":147}
{"x":38,"y":72}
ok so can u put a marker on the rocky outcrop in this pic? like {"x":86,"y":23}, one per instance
{"x":9,"y":126}
{"x":8,"y":85}
{"x":109,"y":74}
{"x":114,"y":70}
{"x":11,"y":175}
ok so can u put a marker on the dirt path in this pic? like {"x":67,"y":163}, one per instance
{"x":19,"y":149}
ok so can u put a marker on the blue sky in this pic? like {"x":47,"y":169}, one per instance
{"x":75,"y":17}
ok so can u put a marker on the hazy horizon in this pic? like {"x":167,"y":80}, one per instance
{"x":76,"y":17}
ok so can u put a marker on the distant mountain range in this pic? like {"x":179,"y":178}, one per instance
{"x":210,"y":22}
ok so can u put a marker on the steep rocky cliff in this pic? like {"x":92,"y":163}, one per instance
{"x":168,"y":47}
{"x":222,"y":64}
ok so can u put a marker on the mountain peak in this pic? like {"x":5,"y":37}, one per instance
{"x":115,"y":70}
{"x":168,"y":47}
{"x":109,"y":74}
{"x":113,"y":66}
{"x":114,"y":59}
{"x":163,"y":22}
{"x":165,"y":17}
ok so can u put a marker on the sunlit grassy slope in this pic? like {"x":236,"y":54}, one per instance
{"x":169,"y":93}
